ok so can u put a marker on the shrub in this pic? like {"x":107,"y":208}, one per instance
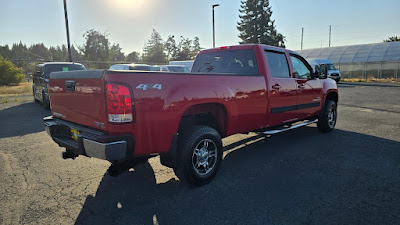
{"x":9,"y":73}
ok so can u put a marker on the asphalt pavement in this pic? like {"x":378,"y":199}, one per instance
{"x":349,"y":176}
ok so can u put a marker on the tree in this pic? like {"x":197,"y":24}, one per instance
{"x":256,"y":25}
{"x":185,"y":50}
{"x":9,"y":73}
{"x":171,"y":48}
{"x":39,"y":52}
{"x":58,"y":53}
{"x":196,"y":46}
{"x":133,"y":57}
{"x":116,"y":54}
{"x":76,"y":55}
{"x":5,"y":51}
{"x":154,"y":50}
{"x":96,"y":47}
{"x":392,"y":38}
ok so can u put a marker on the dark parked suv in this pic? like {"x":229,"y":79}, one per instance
{"x":42,"y":75}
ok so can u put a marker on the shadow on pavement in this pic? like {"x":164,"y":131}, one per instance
{"x":297,"y":177}
{"x":22,"y":119}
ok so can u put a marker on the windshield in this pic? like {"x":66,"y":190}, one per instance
{"x":242,"y":62}
{"x":61,"y":67}
{"x":144,"y":68}
{"x":178,"y":69}
{"x":331,"y":67}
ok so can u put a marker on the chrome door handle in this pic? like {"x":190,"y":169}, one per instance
{"x":276,"y":86}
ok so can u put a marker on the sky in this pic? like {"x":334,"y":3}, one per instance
{"x":130,"y":22}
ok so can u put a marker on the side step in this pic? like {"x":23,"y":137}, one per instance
{"x":270,"y":132}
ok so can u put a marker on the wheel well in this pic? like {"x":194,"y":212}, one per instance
{"x":213,"y":115}
{"x":332,"y":96}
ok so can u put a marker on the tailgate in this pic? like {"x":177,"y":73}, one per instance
{"x":78,"y":97}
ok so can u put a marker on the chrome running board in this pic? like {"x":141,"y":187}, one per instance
{"x":270,"y":132}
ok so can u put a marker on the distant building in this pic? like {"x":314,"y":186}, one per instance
{"x":380,"y":60}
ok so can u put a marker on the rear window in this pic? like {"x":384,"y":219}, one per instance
{"x":241,"y":62}
{"x":61,"y":67}
{"x":145,"y":68}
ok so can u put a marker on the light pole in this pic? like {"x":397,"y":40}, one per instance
{"x":66,"y":25}
{"x":213,"y":6}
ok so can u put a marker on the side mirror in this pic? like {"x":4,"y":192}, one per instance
{"x":322,"y":71}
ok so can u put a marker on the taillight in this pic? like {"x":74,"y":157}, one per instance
{"x":119,"y":103}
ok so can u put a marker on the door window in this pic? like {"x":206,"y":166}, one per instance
{"x":278,"y":65}
{"x":300,"y":69}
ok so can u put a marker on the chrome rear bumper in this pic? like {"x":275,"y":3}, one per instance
{"x":90,"y":142}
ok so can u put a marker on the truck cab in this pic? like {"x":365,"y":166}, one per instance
{"x":41,"y":78}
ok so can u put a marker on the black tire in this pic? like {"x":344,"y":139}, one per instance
{"x":191,"y":166}
{"x":328,"y":116}
{"x":34,"y":97}
{"x":45,"y":103}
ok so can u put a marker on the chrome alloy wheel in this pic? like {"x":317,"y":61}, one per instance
{"x":204,"y":157}
{"x":332,"y":117}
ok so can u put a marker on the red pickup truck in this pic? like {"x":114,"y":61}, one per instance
{"x":126,"y":117}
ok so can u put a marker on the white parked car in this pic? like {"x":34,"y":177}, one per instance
{"x":187,"y":63}
{"x":174,"y":68}
{"x":142,"y":67}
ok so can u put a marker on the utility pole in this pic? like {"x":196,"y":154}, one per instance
{"x":330,"y":35}
{"x":66,"y":25}
{"x":302,"y":35}
{"x":213,"y":6}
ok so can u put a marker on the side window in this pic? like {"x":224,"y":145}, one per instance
{"x":164,"y":69}
{"x":300,"y":69}
{"x":278,"y":65}
{"x":234,"y":62}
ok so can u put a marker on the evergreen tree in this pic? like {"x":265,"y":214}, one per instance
{"x":154,"y":50}
{"x":256,"y":25}
{"x":392,"y":38}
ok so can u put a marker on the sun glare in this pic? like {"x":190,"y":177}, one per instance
{"x":126,"y":6}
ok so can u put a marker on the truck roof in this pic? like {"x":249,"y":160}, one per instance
{"x":58,"y":63}
{"x":246,"y":46}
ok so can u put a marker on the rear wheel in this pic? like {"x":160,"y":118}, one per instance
{"x":199,"y":155}
{"x":327,"y":117}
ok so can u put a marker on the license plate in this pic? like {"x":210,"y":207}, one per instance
{"x":74,"y":134}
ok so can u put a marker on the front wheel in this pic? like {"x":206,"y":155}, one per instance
{"x":199,"y":155}
{"x":34,"y":96}
{"x":45,"y":103}
{"x":327,"y":117}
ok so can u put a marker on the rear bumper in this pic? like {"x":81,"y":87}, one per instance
{"x":90,"y":142}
